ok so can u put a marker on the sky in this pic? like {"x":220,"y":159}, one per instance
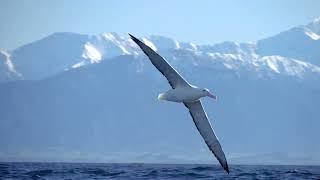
{"x":202,"y":22}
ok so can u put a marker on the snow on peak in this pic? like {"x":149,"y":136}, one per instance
{"x":194,"y":46}
{"x":104,"y":46}
{"x":91,"y":53}
{"x":313,"y":29}
{"x":242,"y":64}
{"x":7,"y":68}
{"x":291,"y":67}
{"x":314,"y":26}
{"x":312,"y":35}
{"x":117,"y":41}
{"x":273,"y":63}
{"x":110,"y":36}
{"x":316,"y":20}
{"x":79,"y":64}
{"x":164,"y":43}
{"x":9,"y":63}
{"x":177,"y":44}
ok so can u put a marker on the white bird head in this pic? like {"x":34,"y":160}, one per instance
{"x":206,"y":92}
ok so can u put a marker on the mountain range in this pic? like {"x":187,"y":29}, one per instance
{"x":93,"y":98}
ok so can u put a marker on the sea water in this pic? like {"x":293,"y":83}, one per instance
{"x":152,"y":171}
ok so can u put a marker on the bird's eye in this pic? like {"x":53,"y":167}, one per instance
{"x":203,"y":90}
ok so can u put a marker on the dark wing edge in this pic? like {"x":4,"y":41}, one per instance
{"x":167,"y":70}
{"x":222,"y":160}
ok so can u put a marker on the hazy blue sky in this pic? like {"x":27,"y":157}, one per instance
{"x":23,"y":21}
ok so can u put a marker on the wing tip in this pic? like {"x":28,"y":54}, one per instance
{"x":226,"y":168}
{"x":142,"y":46}
{"x":224,"y":165}
{"x":131,"y":36}
{"x":136,"y":40}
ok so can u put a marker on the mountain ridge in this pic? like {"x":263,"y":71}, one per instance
{"x":63,"y":51}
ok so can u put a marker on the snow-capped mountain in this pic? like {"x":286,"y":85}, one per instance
{"x":94,"y":98}
{"x":302,"y":42}
{"x":295,"y":52}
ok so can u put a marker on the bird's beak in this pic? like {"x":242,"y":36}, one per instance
{"x":212,"y":96}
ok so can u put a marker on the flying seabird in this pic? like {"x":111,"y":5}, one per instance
{"x":189,"y":95}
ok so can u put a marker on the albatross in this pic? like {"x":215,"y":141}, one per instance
{"x":189,"y":95}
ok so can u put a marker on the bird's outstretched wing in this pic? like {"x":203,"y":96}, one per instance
{"x":173,"y":77}
{"x":203,"y":125}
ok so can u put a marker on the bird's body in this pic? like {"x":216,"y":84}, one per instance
{"x":184,"y":94}
{"x":189,"y":95}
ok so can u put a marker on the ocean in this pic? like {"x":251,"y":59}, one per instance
{"x":152,"y":171}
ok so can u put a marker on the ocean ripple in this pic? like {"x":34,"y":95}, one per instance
{"x":151,"y":171}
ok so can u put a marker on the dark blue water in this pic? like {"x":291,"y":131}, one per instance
{"x":151,"y":171}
